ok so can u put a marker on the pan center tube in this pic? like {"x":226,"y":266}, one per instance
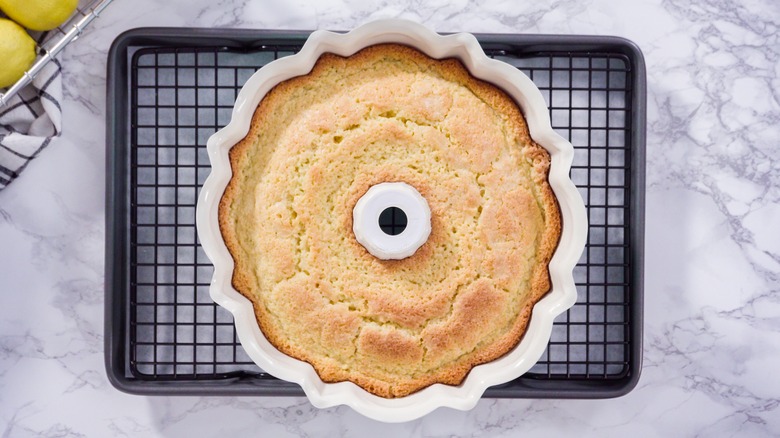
{"x":391,"y":220}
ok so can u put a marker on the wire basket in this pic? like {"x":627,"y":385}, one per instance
{"x":51,"y":43}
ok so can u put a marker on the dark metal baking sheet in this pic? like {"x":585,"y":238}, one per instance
{"x":169,"y":89}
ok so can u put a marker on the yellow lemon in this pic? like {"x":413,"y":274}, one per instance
{"x":39,"y":14}
{"x":17,"y":51}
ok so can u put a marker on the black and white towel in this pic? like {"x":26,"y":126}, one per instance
{"x":29,"y":122}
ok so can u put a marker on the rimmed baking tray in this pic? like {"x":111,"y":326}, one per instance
{"x":169,"y":89}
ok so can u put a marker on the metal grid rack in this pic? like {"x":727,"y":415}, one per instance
{"x":165,"y":333}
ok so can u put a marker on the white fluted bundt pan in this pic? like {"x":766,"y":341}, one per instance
{"x":562,"y":296}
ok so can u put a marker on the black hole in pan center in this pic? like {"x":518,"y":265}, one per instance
{"x":392,"y":221}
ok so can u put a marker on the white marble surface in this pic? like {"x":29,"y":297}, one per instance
{"x":712,"y":333}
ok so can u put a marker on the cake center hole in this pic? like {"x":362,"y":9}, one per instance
{"x":392,"y":221}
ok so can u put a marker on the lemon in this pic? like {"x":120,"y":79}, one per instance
{"x":39,"y":14}
{"x":17,"y":50}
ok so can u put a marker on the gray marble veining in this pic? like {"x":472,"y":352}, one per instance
{"x":712,"y":330}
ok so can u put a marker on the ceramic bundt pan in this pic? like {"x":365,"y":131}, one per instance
{"x":562,"y":296}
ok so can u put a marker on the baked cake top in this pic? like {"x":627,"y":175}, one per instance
{"x":317,"y":143}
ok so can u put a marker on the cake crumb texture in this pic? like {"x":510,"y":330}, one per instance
{"x":316,"y":144}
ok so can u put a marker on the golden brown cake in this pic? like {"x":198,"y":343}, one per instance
{"x":317,"y":143}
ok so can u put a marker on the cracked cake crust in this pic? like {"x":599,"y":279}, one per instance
{"x":316,"y":144}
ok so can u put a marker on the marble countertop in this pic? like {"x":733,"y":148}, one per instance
{"x":712,"y":300}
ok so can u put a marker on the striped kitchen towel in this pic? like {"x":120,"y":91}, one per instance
{"x":29,"y":122}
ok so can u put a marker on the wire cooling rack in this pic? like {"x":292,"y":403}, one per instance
{"x":170,"y":89}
